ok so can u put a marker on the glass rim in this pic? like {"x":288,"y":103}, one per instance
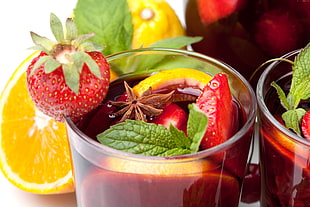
{"x":264,"y":109}
{"x":242,"y":131}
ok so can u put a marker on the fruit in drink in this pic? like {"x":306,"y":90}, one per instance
{"x":284,"y":147}
{"x":165,"y":172}
{"x":216,"y":101}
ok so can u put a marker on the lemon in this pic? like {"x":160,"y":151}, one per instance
{"x":153,"y":20}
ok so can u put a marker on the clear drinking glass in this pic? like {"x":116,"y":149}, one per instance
{"x":284,"y":156}
{"x":213,"y":177}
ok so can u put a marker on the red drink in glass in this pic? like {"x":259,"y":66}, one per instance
{"x":248,"y":32}
{"x":284,"y":156}
{"x":108,"y":177}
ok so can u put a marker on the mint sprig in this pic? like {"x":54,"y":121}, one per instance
{"x":299,"y":90}
{"x":111,"y":21}
{"x":150,"y":139}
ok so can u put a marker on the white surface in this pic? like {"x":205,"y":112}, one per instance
{"x":17,"y":19}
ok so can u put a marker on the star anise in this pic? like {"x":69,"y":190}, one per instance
{"x":139,"y":107}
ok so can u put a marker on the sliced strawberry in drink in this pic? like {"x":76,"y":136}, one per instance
{"x":172,"y":114}
{"x":305,"y":125}
{"x":216,"y":101}
{"x":212,"y":10}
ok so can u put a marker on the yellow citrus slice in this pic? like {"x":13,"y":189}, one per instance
{"x":34,"y":151}
{"x":178,"y":76}
{"x":153,"y":20}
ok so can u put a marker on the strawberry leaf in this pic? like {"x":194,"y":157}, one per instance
{"x":56,"y":27}
{"x":51,"y":65}
{"x":72,"y":77}
{"x":71,"y":30}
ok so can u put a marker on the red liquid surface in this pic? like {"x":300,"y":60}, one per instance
{"x":236,"y":39}
{"x":285,"y":163}
{"x":212,"y":181}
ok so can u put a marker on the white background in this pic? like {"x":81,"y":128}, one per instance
{"x":17,"y":19}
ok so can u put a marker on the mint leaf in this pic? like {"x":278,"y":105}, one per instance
{"x":150,"y":139}
{"x":143,"y":138}
{"x":176,"y":42}
{"x":196,"y":126}
{"x":299,"y":90}
{"x":179,"y":137}
{"x":303,"y":89}
{"x":111,"y":21}
{"x":301,"y":68}
{"x":292,"y":119}
{"x":138,"y":137}
{"x":281,"y":95}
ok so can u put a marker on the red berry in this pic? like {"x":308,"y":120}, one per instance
{"x":216,"y":101}
{"x":278,"y":32}
{"x":172,"y":114}
{"x":53,"y":97}
{"x":70,"y":77}
{"x":305,"y":125}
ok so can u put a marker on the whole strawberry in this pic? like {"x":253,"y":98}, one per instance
{"x":70,"y":77}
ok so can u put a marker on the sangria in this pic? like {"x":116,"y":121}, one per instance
{"x":284,"y":153}
{"x":245,"y":33}
{"x":111,"y":170}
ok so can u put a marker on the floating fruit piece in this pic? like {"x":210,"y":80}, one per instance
{"x":305,"y":125}
{"x":153,"y":20}
{"x":34,"y":151}
{"x":172,"y":114}
{"x":178,"y":77}
{"x":216,"y":101}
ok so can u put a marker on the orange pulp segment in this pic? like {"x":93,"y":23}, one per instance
{"x":34,"y":151}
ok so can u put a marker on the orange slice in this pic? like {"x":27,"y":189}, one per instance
{"x":178,"y":76}
{"x":34,"y":151}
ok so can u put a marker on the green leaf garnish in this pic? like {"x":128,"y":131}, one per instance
{"x":176,"y":42}
{"x":299,"y":90}
{"x":111,"y":21}
{"x":150,"y":139}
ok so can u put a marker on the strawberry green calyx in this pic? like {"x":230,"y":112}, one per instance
{"x":69,"y":51}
